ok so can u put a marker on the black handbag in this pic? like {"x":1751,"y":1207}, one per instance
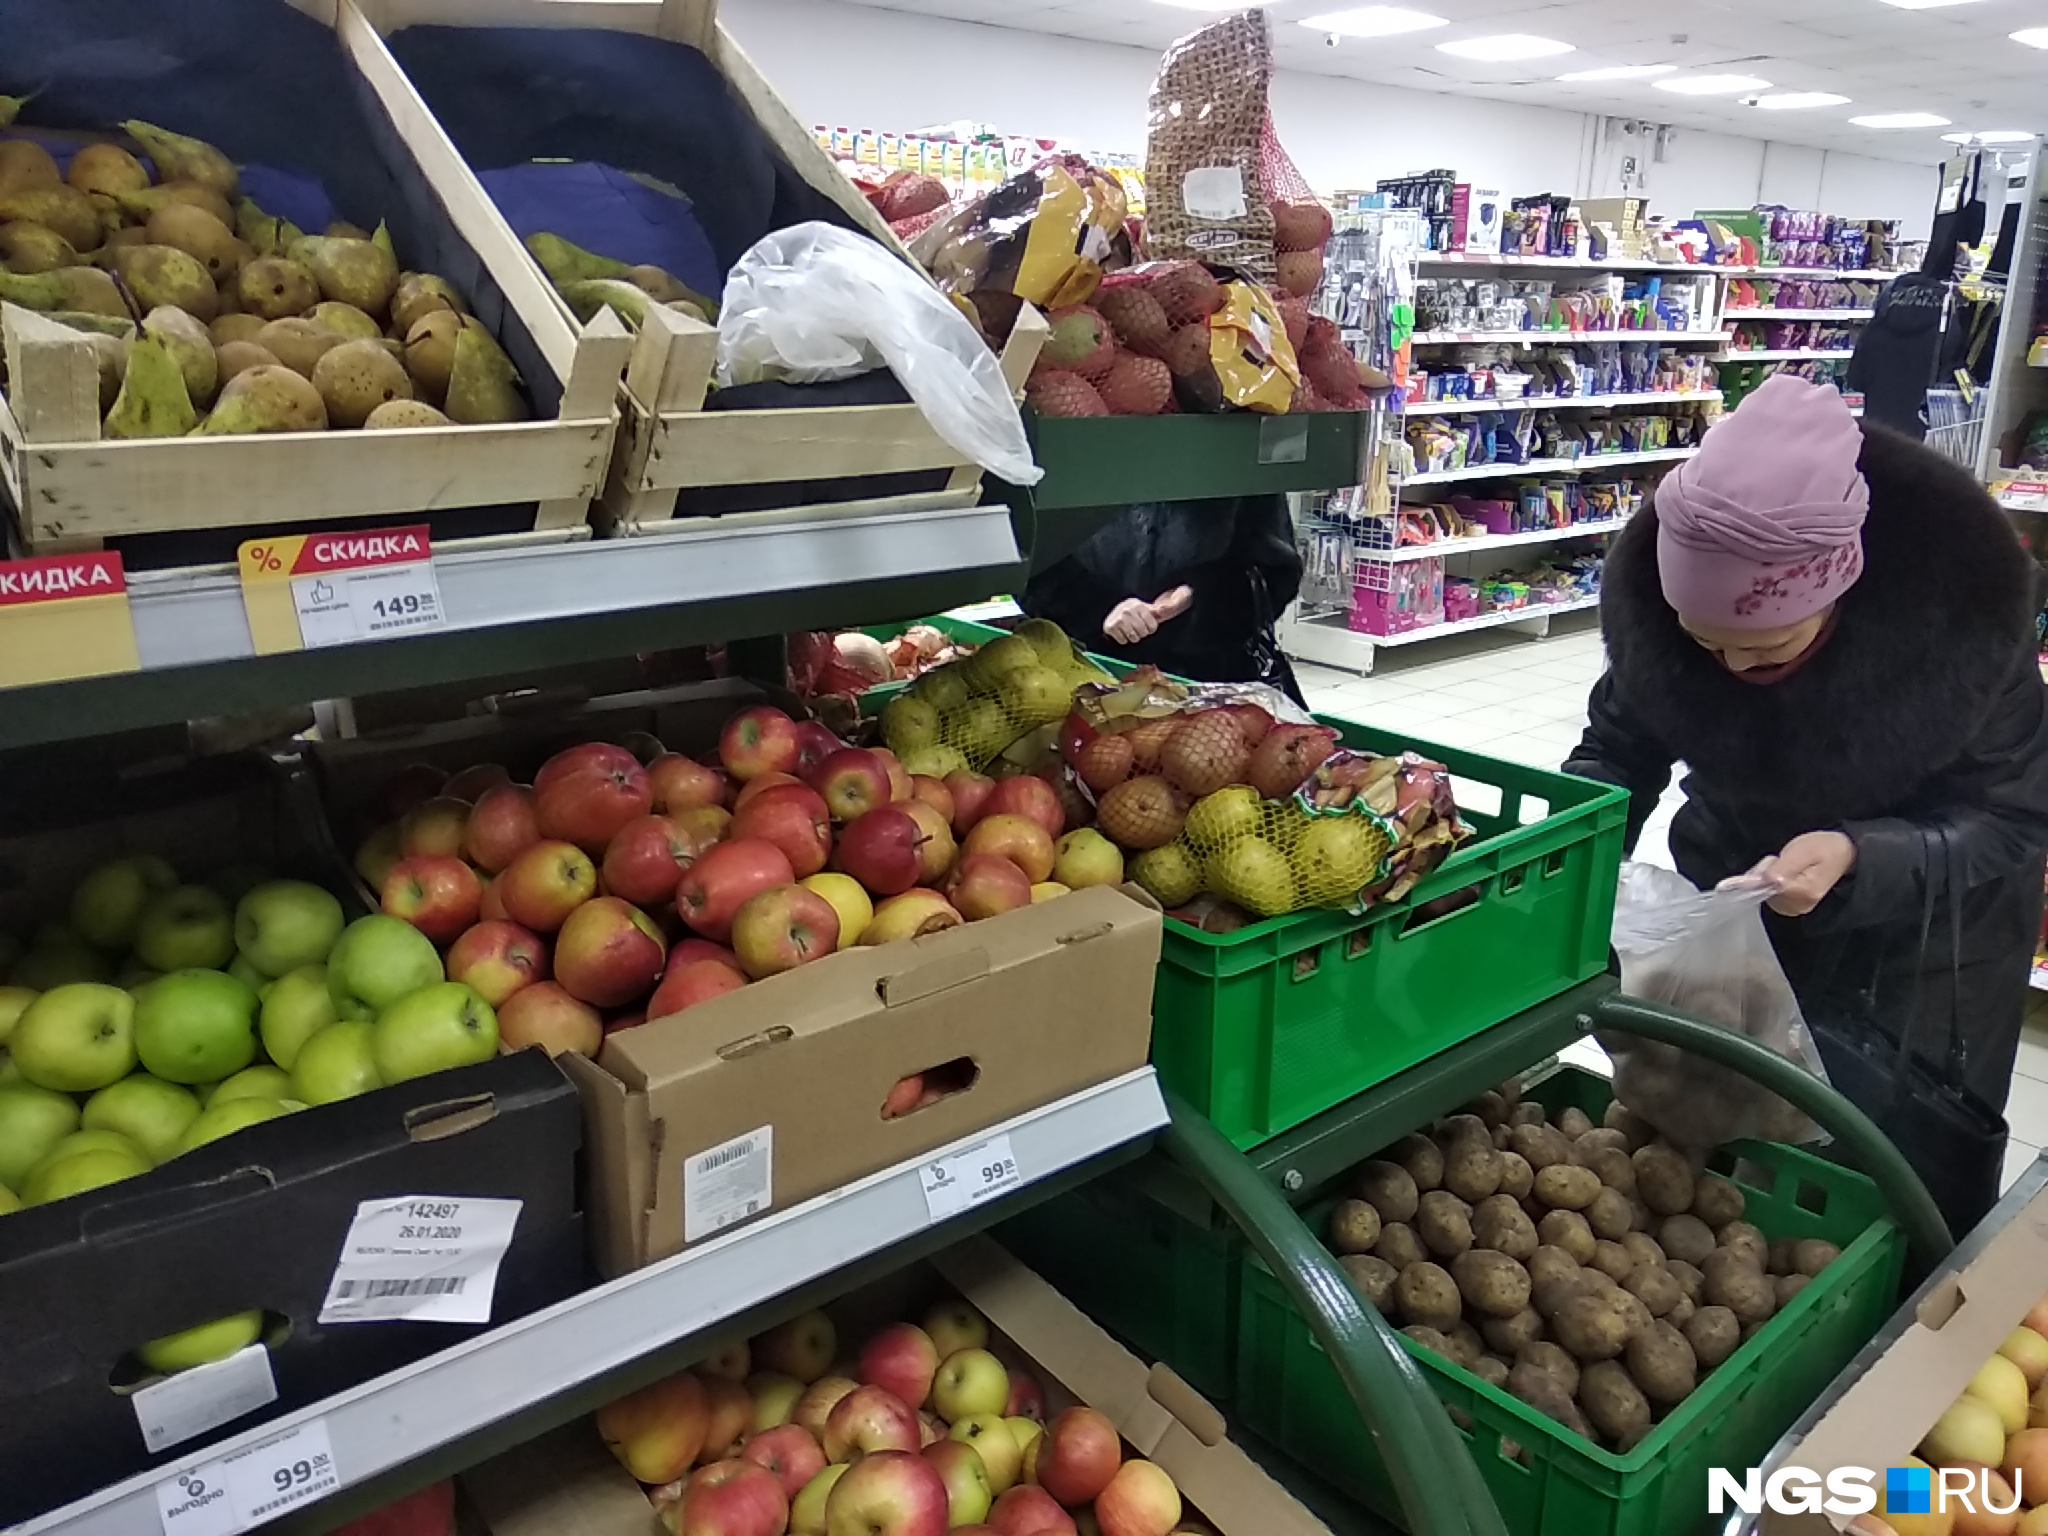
{"x":1953,"y":1139}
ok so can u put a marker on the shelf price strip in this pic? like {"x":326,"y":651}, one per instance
{"x":306,"y":590}
{"x":232,"y":1493}
{"x":64,"y":617}
{"x":969,"y":1177}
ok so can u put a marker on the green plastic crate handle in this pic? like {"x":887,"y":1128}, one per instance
{"x":1439,"y":1487}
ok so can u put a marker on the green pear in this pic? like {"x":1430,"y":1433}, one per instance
{"x":276,"y":287}
{"x":660,"y":286}
{"x":153,"y":401}
{"x":163,"y":274}
{"x":358,"y":272}
{"x":357,"y":377}
{"x":345,"y":320}
{"x":394,"y":415}
{"x":586,"y":296}
{"x":270,"y":236}
{"x":64,"y":209}
{"x":26,"y":165}
{"x":201,"y":236}
{"x":142,"y":206}
{"x":10,"y":108}
{"x":111,"y":353}
{"x":26,"y":247}
{"x":235,"y":327}
{"x":265,"y":399}
{"x":565,"y":262}
{"x":85,"y":289}
{"x":107,"y":169}
{"x":240,"y":356}
{"x":382,"y":240}
{"x":430,"y":351}
{"x":109,"y":327}
{"x":298,"y":344}
{"x":178,"y":158}
{"x":190,"y":344}
{"x":341,"y":229}
{"x":483,"y":386}
{"x":419,"y":294}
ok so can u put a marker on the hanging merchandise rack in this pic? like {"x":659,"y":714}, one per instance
{"x":2016,"y":398}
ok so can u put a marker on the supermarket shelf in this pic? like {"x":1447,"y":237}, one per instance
{"x":1767,"y":313}
{"x":1641,"y":264}
{"x":1449,"y":547}
{"x":1592,"y":462}
{"x":1490,"y":621}
{"x":1557,"y":402}
{"x":1783,"y":354}
{"x":1329,"y":642}
{"x":598,"y":1337}
{"x":1561,"y":338}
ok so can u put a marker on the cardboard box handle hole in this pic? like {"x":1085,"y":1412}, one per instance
{"x":921,"y":1090}
{"x":451,"y":1117}
{"x":129,"y":1374}
{"x":760,"y":1040}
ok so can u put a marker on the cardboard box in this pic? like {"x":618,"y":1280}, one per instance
{"x":566,"y":1484}
{"x":767,"y":1096}
{"x":257,"y":1220}
{"x":1476,"y":219}
{"x":1623,"y":215}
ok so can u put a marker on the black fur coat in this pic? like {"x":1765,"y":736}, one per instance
{"x":1922,"y":712}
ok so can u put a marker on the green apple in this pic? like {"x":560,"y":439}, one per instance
{"x":134,"y":976}
{"x":296,"y":1006}
{"x":201,"y":1345}
{"x":261,"y":1081}
{"x":147,"y":1110}
{"x":218,"y":1120}
{"x":376,"y":961}
{"x":56,"y":963}
{"x":74,"y":1175}
{"x":244,"y":970}
{"x":186,"y":929}
{"x":438,"y":1027}
{"x":32,"y":1121}
{"x":108,"y":902}
{"x":76,"y":1038}
{"x":195,"y":1026}
{"x":10,"y":1069}
{"x":10,"y":1202}
{"x":337,"y":1063}
{"x":14,"y":1003}
{"x":100,"y":1139}
{"x":286,"y":924}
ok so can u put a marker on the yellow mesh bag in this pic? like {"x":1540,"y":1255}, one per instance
{"x":991,"y":705}
{"x":1275,"y":856}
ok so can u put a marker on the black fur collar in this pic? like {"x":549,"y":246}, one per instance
{"x":1923,"y":644}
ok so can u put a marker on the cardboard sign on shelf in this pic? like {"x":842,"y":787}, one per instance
{"x":316,"y":589}
{"x":64,"y":617}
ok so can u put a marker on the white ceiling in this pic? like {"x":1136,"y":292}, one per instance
{"x":1955,"y":60}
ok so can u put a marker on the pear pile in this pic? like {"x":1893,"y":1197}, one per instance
{"x":210,"y":316}
{"x":589,"y":282}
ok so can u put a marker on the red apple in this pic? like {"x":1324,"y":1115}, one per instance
{"x":686,"y":951}
{"x":986,"y":884}
{"x":815,"y":1407}
{"x":970,"y":793}
{"x":1076,"y":809}
{"x":1028,"y":1510}
{"x":688,"y":985}
{"x":899,"y":777}
{"x":501,"y":827}
{"x":497,"y":959}
{"x":609,"y":953}
{"x":547,"y":882}
{"x":936,"y":855}
{"x":891,"y":1493}
{"x":910,"y":915}
{"x":428,"y":1512}
{"x":492,"y":908}
{"x":853,"y":780}
{"x":732,"y":1497}
{"x":1027,"y":1398}
{"x":645,"y":859}
{"x":782,"y":928}
{"x":472,"y":781}
{"x":933,"y":792}
{"x":902,"y":1359}
{"x":730,"y":1409}
{"x":1028,"y":795}
{"x":790,"y":1452}
{"x":1078,"y":1455}
{"x":712,"y":889}
{"x":801,"y":1349}
{"x":968,"y":1494}
{"x":657,"y":1431}
{"x":544,"y":1014}
{"x":680,"y":783}
{"x":793,"y":817}
{"x":760,"y":739}
{"x":884,"y":850}
{"x":586,"y":794}
{"x":411,"y":786}
{"x":902,"y":1098}
{"x":760,"y":785}
{"x":437,"y":895}
{"x":1139,"y":1501}
{"x":814,"y":743}
{"x":702,"y":826}
{"x":1022,"y":840}
{"x":866,"y":1420}
{"x":434,"y":826}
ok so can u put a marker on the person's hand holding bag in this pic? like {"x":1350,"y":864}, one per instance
{"x":1806,"y":869}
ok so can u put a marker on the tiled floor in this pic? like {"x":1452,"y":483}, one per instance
{"x":1525,"y":700}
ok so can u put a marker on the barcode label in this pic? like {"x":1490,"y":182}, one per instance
{"x":424,"y":1285}
{"x":726,"y":1184}
{"x":421,"y":1259}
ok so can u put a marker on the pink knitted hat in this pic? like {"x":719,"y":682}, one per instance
{"x":1763,"y":526}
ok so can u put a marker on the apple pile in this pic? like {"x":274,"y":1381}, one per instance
{"x":925,"y":1432}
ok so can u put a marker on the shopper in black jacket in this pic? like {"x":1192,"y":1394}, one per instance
{"x":1872,"y":676}
{"x":1192,"y":587}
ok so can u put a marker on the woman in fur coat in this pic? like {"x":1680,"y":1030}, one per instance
{"x":1833,"y":629}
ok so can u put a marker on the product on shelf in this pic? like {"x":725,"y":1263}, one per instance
{"x":589,"y":282}
{"x":1003,"y":703}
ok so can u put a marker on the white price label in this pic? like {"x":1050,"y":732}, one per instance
{"x":421,"y":1259}
{"x":966,"y":1179}
{"x":233,"y":1493}
{"x":375,"y":603}
{"x":189,"y":1403}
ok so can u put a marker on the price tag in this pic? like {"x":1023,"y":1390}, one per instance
{"x":189,"y":1403}
{"x":63,"y":617}
{"x":233,"y":1493}
{"x":421,"y":1259}
{"x":306,"y":590}
{"x":966,"y":1179}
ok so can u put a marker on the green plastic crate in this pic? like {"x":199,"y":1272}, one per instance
{"x":1549,"y":1482}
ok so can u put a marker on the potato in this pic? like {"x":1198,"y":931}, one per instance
{"x":1528,"y":1113}
{"x":1662,"y":1364}
{"x":1444,"y":1223}
{"x":1465,"y":1344}
{"x":1517,"y":1178}
{"x":1713,"y":1333}
{"x":1490,"y":1108}
{"x":1567,"y":1230}
{"x":1388,"y":1188}
{"x":1640,"y":1132}
{"x":1372,"y":1277}
{"x":1399,"y":1245}
{"x":1501,"y":1224}
{"x":1598,"y":1280}
{"x":1549,"y":1297}
{"x":1573,"y":1122}
{"x":1354,"y":1227}
{"x":1688,"y":1276}
{"x":1609,"y":1214}
{"x":1565,"y":1188}
{"x":1812,"y":1255}
{"x":1614,"y":1166}
{"x":1646,"y":1219}
{"x":1592,"y":1327}
{"x":1423,"y":1159}
{"x":1682,"y":1313}
{"x":1664,"y":1180}
{"x":1547,"y":1395}
{"x":1541,"y":1145}
{"x":1552,"y":1360}
{"x":1785,"y":1287}
{"x":1492,"y":1370}
{"x":1456,"y":1129}
{"x":1511,"y":1093}
{"x":1425,"y":1293}
{"x":1503,"y":1137}
{"x":1429,"y":1339}
{"x":1612,"y":1260}
{"x":1613,"y":1404}
{"x":1655,"y":1287}
{"x":1507,"y":1335}
{"x":1550,"y":1262}
{"x":1471,"y":1169}
{"x":1743,"y":1289}
{"x":1780,"y":1260}
{"x":1686,"y":1237}
{"x":1716,"y":1201}
{"x":1491,"y":1282}
{"x":1746,"y":1239}
{"x":1595,"y":1140}
{"x":1643,"y":1248}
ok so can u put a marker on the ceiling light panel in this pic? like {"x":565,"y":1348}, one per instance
{"x":1713,"y":85}
{"x":1505,"y":48}
{"x":1794,"y":101}
{"x":1619,"y":72}
{"x":2033,"y":37}
{"x":1990,"y":136}
{"x":1374,"y":21}
{"x":1900,"y":120}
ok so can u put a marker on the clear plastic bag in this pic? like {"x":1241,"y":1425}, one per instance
{"x":814,"y":302}
{"x":1706,"y":953}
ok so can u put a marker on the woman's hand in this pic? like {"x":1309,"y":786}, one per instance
{"x":1806,"y":869}
{"x":1133,"y":619}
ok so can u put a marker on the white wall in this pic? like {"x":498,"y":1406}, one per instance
{"x":859,"y":66}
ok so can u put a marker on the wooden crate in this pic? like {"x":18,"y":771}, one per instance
{"x":73,"y":490}
{"x":667,"y":440}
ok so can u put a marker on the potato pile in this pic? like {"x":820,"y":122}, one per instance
{"x":1591,"y":1272}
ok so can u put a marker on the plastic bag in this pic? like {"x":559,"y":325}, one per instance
{"x":1704,"y":952}
{"x":813,"y":302}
